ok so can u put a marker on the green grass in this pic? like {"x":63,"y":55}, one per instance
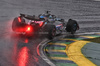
{"x":56,"y":48}
{"x":56,"y":55}
{"x":76,"y":38}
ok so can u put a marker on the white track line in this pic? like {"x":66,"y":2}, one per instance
{"x":42,"y":55}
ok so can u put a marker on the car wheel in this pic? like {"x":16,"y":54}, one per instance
{"x":71,"y":26}
{"x":51,"y":31}
{"x":16,"y":24}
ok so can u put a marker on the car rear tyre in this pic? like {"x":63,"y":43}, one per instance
{"x":51,"y":31}
{"x":16,"y":24}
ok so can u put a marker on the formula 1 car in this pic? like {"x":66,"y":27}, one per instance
{"x":46,"y":24}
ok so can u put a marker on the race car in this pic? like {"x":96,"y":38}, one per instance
{"x":46,"y":24}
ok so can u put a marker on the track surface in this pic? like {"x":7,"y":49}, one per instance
{"x":14,"y":48}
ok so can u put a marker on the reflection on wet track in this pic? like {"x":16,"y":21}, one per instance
{"x":23,"y":56}
{"x":25,"y":51}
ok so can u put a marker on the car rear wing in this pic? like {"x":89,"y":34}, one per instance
{"x":29,"y":17}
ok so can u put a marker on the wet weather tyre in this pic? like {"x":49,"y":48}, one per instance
{"x":71,"y":26}
{"x":16,"y":24}
{"x":51,"y":29}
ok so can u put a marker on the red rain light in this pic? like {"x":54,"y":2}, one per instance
{"x":28,"y":28}
{"x":19,"y":19}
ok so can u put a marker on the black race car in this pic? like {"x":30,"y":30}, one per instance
{"x":46,"y":24}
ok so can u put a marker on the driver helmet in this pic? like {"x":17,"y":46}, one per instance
{"x":50,"y":17}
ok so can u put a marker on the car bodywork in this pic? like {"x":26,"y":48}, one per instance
{"x":50,"y":26}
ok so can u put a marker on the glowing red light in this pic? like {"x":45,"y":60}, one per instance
{"x":38,"y":50}
{"x":28,"y":28}
{"x":26,"y":40}
{"x":23,"y":57}
{"x":41,"y":24}
{"x":19,"y":19}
